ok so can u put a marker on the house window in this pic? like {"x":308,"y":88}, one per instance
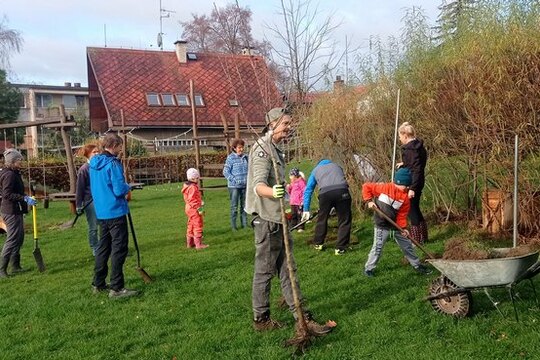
{"x":153,"y":99}
{"x":199,"y":100}
{"x":22,"y":101}
{"x":43,"y":100}
{"x":233,"y":102}
{"x":80,"y":100}
{"x":168,"y":99}
{"x":69,"y":101}
{"x":182,"y":99}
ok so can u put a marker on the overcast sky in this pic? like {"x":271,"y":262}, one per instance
{"x":57,"y":32}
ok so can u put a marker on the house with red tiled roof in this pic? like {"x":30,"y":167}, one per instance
{"x":149,"y":92}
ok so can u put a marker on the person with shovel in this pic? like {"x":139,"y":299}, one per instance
{"x":392,"y":200}
{"x":83,"y":196}
{"x":109,"y":190}
{"x":14,"y":204}
{"x":262,"y":200}
{"x":333,"y":193}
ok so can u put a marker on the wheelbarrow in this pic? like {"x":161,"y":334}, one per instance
{"x":451,"y":293}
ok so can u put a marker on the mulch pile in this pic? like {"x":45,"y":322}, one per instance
{"x":473,"y":249}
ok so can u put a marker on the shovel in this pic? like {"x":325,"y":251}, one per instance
{"x":146,"y":278}
{"x":416,"y":243}
{"x":312,"y":216}
{"x":37,"y":251}
{"x":71,"y":223}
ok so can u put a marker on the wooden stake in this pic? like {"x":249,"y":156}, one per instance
{"x":69,"y":155}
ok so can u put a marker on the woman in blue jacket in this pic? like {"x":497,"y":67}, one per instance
{"x":235,"y":171}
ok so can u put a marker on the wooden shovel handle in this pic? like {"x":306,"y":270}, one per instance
{"x":416,"y":243}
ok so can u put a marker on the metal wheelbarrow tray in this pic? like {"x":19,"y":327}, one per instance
{"x":451,"y":293}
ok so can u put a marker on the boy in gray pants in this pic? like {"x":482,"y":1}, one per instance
{"x":391,"y":199}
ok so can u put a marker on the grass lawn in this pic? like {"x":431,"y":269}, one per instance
{"x":199,"y":306}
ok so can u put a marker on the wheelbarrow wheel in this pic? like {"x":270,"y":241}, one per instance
{"x":457,"y":304}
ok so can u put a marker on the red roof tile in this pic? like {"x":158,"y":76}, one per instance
{"x":123,"y":77}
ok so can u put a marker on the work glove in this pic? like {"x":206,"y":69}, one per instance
{"x":79,"y":211}
{"x":278,"y":191}
{"x":30,"y":200}
{"x":201,"y":210}
{"x":305,"y":216}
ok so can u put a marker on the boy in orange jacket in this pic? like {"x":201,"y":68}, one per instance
{"x":391,"y":199}
{"x":194,"y":210}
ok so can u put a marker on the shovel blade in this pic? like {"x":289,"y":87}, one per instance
{"x":39,"y":259}
{"x":67,"y":225}
{"x":146,"y":278}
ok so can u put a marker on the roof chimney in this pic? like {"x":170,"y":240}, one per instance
{"x":67,"y":84}
{"x":248,"y":50}
{"x":181,"y":51}
{"x":339,"y":84}
{"x":77,"y":85}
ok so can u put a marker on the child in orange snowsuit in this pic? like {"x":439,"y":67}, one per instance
{"x":194,"y":210}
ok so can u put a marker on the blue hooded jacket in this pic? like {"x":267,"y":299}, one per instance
{"x":108,"y":186}
{"x":328,"y":176}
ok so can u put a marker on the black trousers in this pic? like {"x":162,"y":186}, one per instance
{"x":114,"y":243}
{"x":296,"y":216}
{"x":415,"y":215}
{"x":340,"y":199}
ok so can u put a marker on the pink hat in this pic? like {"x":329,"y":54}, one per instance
{"x":193,"y":173}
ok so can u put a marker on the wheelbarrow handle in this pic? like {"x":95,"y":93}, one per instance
{"x":401,"y":230}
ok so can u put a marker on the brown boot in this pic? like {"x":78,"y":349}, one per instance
{"x":314,"y":327}
{"x":423,"y":231}
{"x":199,"y":244}
{"x":416,"y":234}
{"x":265,"y":323}
{"x":190,"y":242}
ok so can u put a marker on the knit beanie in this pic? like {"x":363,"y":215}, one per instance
{"x":192,"y":173}
{"x":294,"y":172}
{"x":11,"y":155}
{"x":403,"y":177}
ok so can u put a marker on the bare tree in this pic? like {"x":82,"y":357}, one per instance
{"x":197,"y":32}
{"x":10,"y":41}
{"x":227,"y":29}
{"x":304,"y":45}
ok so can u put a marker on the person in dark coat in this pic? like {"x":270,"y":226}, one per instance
{"x":414,"y":157}
{"x":14,"y":205}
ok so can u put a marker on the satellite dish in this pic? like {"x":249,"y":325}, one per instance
{"x":159,"y":40}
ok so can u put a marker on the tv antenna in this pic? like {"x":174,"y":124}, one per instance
{"x":163,"y":13}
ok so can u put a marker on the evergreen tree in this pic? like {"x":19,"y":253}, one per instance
{"x":454,"y":16}
{"x":9,"y":100}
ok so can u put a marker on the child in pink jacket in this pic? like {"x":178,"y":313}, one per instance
{"x":194,"y":210}
{"x":296,"y":194}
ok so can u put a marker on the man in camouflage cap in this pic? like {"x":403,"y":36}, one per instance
{"x":262,"y":200}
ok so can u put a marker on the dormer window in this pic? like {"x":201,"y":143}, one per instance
{"x":168,"y":99}
{"x":153,"y":99}
{"x":199,"y":100}
{"x":233,"y":102}
{"x":182,"y":100}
